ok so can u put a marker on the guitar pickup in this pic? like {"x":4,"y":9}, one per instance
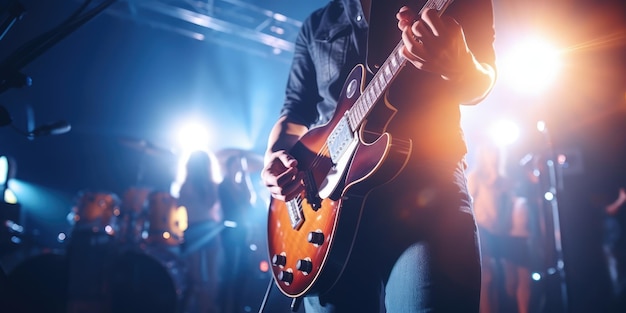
{"x":339,"y":139}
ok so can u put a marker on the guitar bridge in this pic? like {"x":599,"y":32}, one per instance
{"x":294,"y":207}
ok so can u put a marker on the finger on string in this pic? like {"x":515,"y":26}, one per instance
{"x":412,"y":44}
{"x":423,"y":32}
{"x":433,"y":22}
{"x":406,"y":13}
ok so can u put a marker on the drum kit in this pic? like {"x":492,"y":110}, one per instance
{"x":123,"y":254}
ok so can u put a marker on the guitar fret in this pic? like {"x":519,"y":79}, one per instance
{"x":352,"y":118}
{"x":362,"y":106}
{"x":362,"y":109}
{"x":388,"y":74}
{"x":394,"y":62}
{"x":356,"y":110}
{"x":432,"y":4}
{"x":376,"y":88}
{"x":358,"y":115}
{"x":372,"y":95}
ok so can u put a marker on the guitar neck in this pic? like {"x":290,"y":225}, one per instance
{"x":386,"y":74}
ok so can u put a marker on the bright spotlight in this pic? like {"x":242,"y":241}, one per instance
{"x":541,"y":126}
{"x":504,"y":133}
{"x":548,"y":196}
{"x":4,"y":170}
{"x":531,"y":66}
{"x":9,"y":196}
{"x":193,"y":136}
{"x":230,"y":224}
{"x":536,"y":276}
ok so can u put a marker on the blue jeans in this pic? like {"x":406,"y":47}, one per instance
{"x":416,"y":249}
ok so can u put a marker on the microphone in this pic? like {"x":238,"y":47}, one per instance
{"x":56,"y":128}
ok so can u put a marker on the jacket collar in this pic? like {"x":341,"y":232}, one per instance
{"x":338,"y":16}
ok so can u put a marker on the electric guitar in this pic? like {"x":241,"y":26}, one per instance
{"x":310,"y":237}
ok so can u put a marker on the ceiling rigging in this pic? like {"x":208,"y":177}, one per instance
{"x":234,"y":23}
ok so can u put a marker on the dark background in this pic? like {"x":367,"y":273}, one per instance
{"x":116,"y":78}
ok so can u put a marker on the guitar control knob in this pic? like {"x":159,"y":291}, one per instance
{"x":316,"y":203}
{"x":316,"y":237}
{"x":279,"y":260}
{"x":304,"y":266}
{"x":286,"y":277}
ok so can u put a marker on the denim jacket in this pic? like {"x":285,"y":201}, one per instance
{"x":333,"y":40}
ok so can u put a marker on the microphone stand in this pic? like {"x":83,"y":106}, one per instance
{"x":553,"y":187}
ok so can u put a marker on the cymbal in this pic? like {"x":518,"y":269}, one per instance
{"x":254,"y":160}
{"x":145,"y":146}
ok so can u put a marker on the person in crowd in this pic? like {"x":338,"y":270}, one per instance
{"x":614,"y":247}
{"x":198,"y":193}
{"x":502,"y":216}
{"x":237,"y":197}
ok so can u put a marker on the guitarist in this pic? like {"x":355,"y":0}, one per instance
{"x":416,"y":247}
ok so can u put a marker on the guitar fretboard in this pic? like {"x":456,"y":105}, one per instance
{"x":385,"y":75}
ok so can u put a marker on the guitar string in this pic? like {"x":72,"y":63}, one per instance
{"x":434,"y":4}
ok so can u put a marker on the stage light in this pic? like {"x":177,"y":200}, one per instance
{"x":7,"y":172}
{"x":541,"y":126}
{"x":14,"y":227}
{"x":192,"y":136}
{"x":504,"y":133}
{"x":4,"y":170}
{"x":9,"y":196}
{"x":531,"y":66}
{"x":109,"y":230}
{"x":264,"y":266}
{"x":230,"y":224}
{"x":536,"y":276}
